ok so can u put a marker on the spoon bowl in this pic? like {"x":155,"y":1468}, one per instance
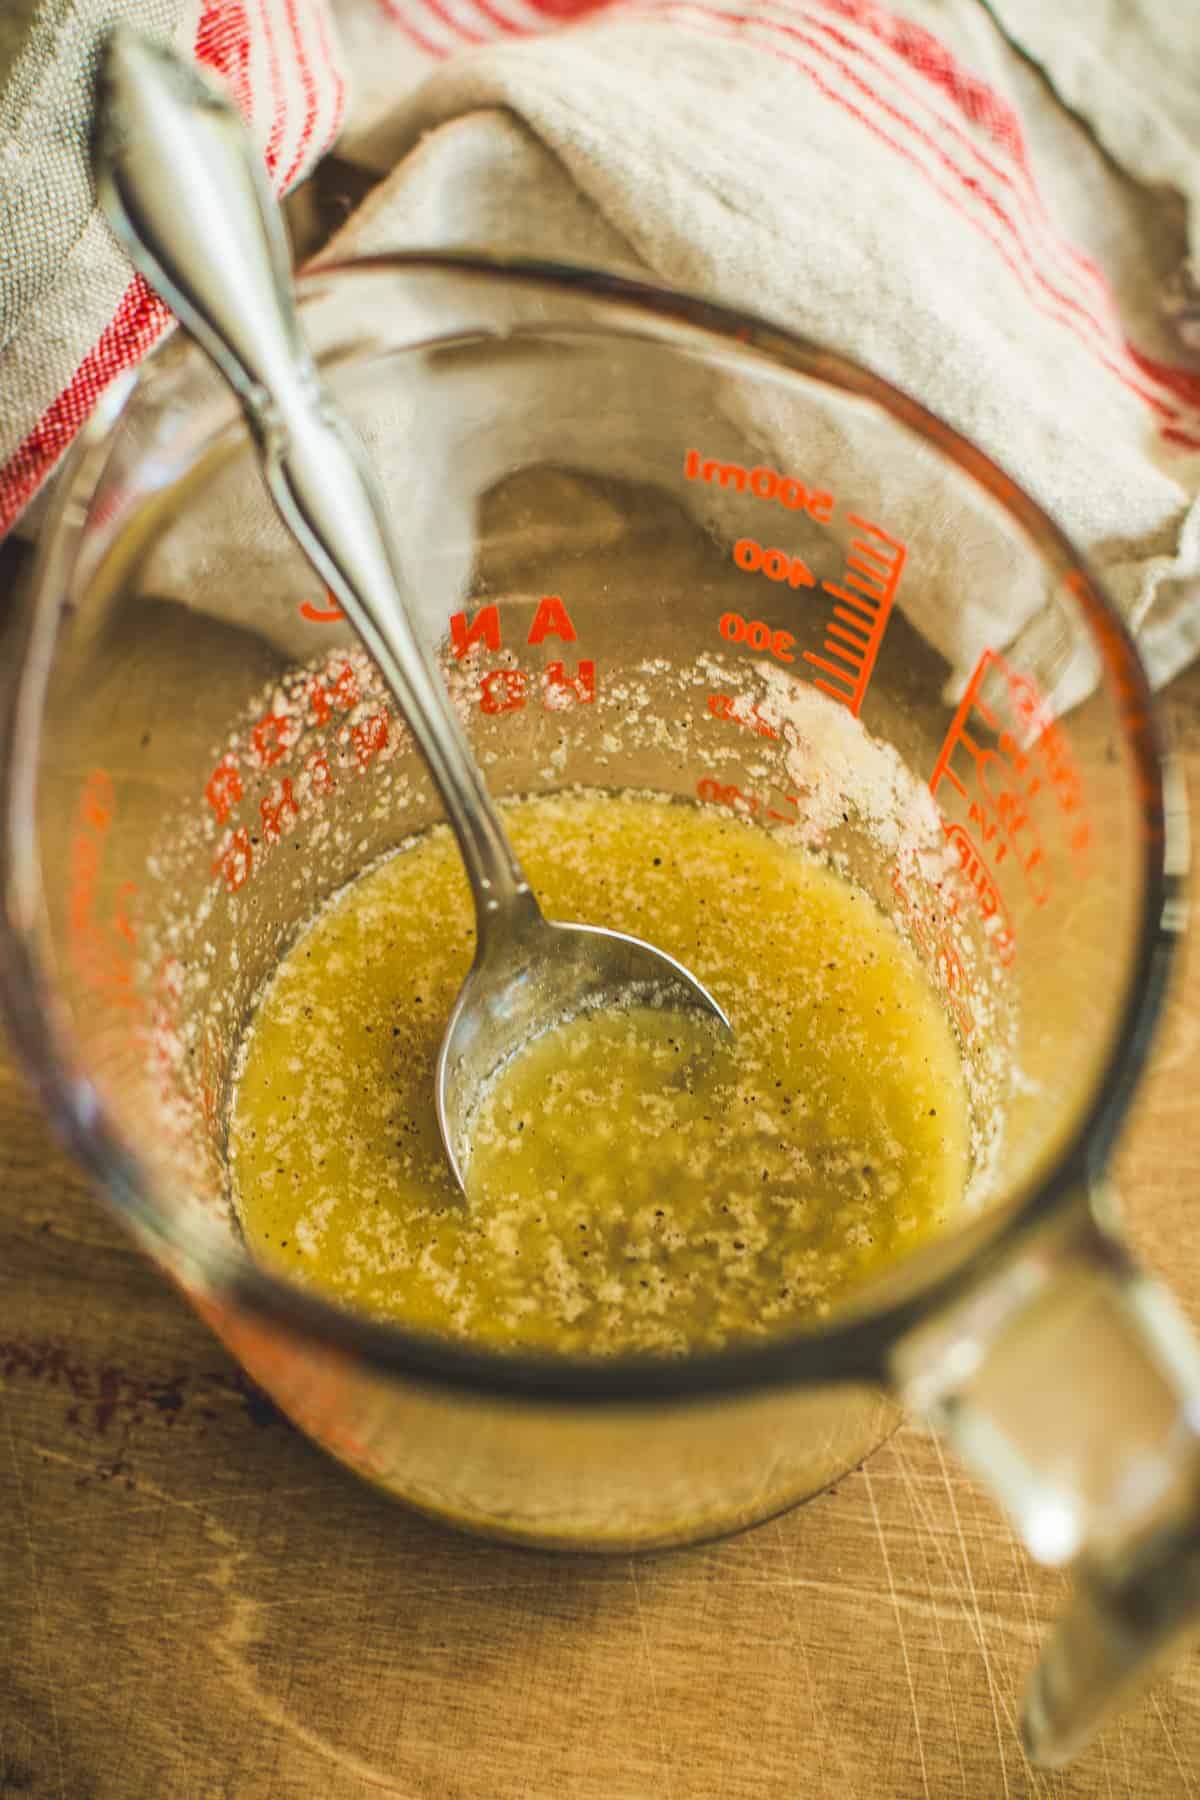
{"x":532,"y":975}
{"x":182,"y":190}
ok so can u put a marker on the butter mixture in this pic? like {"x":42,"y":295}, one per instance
{"x":635,"y":1184}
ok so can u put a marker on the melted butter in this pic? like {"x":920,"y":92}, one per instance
{"x":633,"y":1184}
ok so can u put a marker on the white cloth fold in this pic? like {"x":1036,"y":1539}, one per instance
{"x":986,"y":206}
{"x":907,"y":191}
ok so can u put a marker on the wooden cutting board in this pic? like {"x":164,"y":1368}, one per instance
{"x":196,"y":1605}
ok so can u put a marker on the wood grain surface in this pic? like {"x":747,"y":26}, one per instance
{"x":195,"y":1603}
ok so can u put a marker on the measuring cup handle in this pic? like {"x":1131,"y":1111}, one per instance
{"x":1070,"y":1384}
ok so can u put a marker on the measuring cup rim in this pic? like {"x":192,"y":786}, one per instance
{"x":854,"y":1345}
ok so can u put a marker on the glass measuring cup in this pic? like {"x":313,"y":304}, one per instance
{"x":660,"y":546}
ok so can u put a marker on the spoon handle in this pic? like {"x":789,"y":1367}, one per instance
{"x":184,"y":195}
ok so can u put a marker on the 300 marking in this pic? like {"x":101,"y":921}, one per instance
{"x":758,"y":635}
{"x":855,"y":628}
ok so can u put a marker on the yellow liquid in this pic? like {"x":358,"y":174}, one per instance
{"x":634,"y":1185}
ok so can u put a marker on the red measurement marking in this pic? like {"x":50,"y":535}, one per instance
{"x":319,"y":773}
{"x":934,"y":942}
{"x":123,"y":923}
{"x":997,"y":921}
{"x":341,"y":694}
{"x":98,"y":802}
{"x":721,"y":793}
{"x":761,"y":483}
{"x":723,"y":706}
{"x":235,"y":859}
{"x":560,"y":690}
{"x":758,"y":634}
{"x":273,"y":737}
{"x":1009,"y":775}
{"x":507,"y":690}
{"x":223,"y":789}
{"x":855,"y":629}
{"x":1052,"y":747}
{"x":370,"y":739}
{"x":484,"y":628}
{"x":358,"y":743}
{"x":550,"y":620}
{"x":101,"y":952}
{"x":776,"y":565}
{"x":501,"y":691}
{"x":275,"y":734}
{"x":278,"y":810}
{"x":322,"y":615}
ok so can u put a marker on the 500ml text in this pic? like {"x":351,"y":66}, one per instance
{"x":760,"y":483}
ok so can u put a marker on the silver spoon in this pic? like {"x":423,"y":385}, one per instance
{"x":182,"y":191}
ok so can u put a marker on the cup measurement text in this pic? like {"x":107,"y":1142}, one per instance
{"x":863,"y":595}
{"x":362,"y":735}
{"x":761,"y":483}
{"x":1006,"y":756}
